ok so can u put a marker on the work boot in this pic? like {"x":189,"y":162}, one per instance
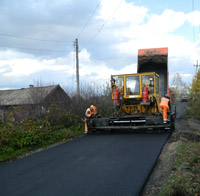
{"x":165,"y":122}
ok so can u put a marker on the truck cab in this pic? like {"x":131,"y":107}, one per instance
{"x":130,"y":92}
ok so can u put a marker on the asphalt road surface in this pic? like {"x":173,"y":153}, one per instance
{"x":108,"y":164}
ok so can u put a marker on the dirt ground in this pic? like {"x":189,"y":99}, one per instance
{"x":166,"y":162}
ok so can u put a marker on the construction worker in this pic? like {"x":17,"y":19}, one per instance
{"x":165,"y":105}
{"x":92,"y":110}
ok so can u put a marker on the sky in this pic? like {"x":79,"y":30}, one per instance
{"x":37,"y":39}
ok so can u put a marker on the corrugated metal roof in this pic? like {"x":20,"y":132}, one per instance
{"x":25,"y":96}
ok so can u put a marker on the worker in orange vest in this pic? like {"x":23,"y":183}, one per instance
{"x":88,"y":114}
{"x":165,"y":105}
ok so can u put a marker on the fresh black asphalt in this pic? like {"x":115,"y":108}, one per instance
{"x":108,"y":164}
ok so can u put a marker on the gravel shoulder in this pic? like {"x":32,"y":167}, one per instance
{"x":166,"y":161}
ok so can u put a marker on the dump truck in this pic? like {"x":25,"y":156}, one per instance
{"x":136,"y":96}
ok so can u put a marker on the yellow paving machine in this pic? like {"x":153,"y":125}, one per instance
{"x":136,"y":97}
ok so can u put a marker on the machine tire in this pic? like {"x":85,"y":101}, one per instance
{"x":172,"y":127}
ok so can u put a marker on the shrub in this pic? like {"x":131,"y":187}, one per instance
{"x":60,"y":119}
{"x":185,"y":180}
{"x":19,"y":138}
{"x":193,"y":109}
{"x":20,"y":134}
{"x":92,"y":94}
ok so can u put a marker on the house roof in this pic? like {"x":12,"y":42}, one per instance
{"x":25,"y":96}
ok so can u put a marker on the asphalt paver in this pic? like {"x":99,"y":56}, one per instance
{"x":92,"y":165}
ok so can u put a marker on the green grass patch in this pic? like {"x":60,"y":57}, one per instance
{"x":185,"y":179}
{"x":16,"y":140}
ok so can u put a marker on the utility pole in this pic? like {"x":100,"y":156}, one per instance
{"x":77,"y":68}
{"x":197,"y":65}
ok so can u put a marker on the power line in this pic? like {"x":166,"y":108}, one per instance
{"x":30,"y":38}
{"x":22,"y":48}
{"x":102,"y":26}
{"x":193,"y":22}
{"x":199,"y":29}
{"x":89,"y":19}
{"x":199,"y":32}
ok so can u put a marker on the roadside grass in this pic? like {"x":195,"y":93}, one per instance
{"x":15,"y":141}
{"x":185,"y":179}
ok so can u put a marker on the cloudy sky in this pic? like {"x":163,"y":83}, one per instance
{"x":37,"y":38}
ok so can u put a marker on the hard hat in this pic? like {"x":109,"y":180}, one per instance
{"x":166,"y":96}
{"x":91,"y":106}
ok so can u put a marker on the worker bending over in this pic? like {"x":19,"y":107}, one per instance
{"x":92,"y":110}
{"x":165,"y":105}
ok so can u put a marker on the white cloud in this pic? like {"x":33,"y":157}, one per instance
{"x":122,"y":12}
{"x":194,"y":18}
{"x":4,"y":88}
{"x":130,"y":28}
{"x":155,"y":33}
{"x":20,"y":64}
{"x":177,"y":45}
{"x":186,"y":75}
{"x":167,"y":22}
{"x":10,"y":54}
{"x":156,"y":25}
{"x":158,"y":32}
{"x":100,"y":70}
{"x":105,"y":72}
{"x":186,"y":78}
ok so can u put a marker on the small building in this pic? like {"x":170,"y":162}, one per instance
{"x":33,"y":100}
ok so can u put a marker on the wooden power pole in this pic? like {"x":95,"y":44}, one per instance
{"x":197,"y":65}
{"x":77,"y":68}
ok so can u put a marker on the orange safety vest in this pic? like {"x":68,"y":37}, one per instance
{"x":164,"y":102}
{"x":93,"y":109}
{"x":88,"y":113}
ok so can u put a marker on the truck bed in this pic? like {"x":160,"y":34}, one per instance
{"x":155,"y":60}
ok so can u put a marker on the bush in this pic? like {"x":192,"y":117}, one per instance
{"x":185,"y":180}
{"x":19,"y":138}
{"x":99,"y":95}
{"x":60,"y":119}
{"x":20,"y":134}
{"x":193,"y":109}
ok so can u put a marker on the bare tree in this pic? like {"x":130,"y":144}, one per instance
{"x":92,"y":94}
{"x":179,"y":86}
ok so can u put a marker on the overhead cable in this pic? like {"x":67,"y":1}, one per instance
{"x":22,"y":48}
{"x":30,"y":38}
{"x":193,"y":22}
{"x":89,"y":19}
{"x":102,"y":26}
